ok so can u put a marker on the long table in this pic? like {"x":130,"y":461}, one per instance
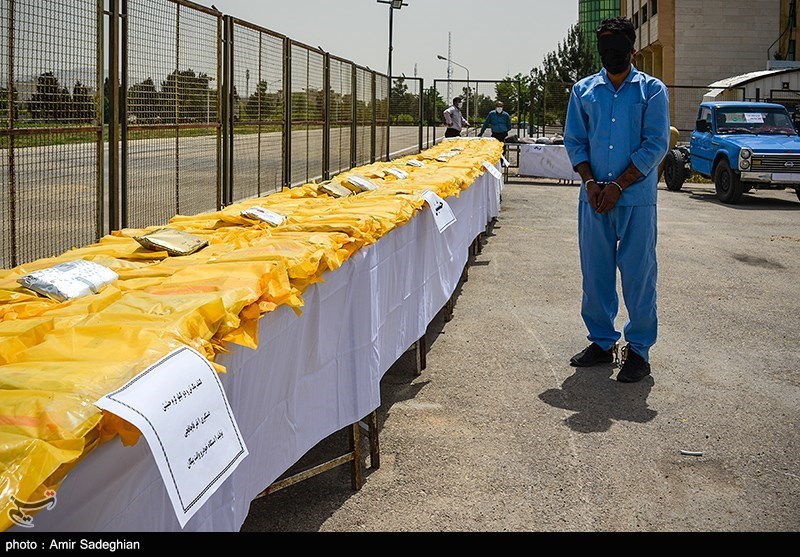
{"x":310,"y":376}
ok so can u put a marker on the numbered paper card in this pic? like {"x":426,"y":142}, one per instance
{"x":180,"y":407}
{"x":492,"y":169}
{"x":442,"y":213}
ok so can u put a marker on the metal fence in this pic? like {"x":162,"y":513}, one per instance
{"x":405,"y":127}
{"x":51,"y":148}
{"x":255,"y":111}
{"x":197,"y":110}
{"x":549,"y":108}
{"x":478,"y":100}
{"x":171,"y":132}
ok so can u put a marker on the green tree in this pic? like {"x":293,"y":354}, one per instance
{"x":145,"y":105}
{"x":186,"y":97}
{"x":551,"y":82}
{"x":83,"y":109}
{"x":50,"y":102}
{"x":4,"y":107}
{"x":434,"y":105}
{"x":405,"y":104}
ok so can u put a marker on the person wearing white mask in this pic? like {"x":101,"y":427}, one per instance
{"x":454,"y":119}
{"x":499,"y":121}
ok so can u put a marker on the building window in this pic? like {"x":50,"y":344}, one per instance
{"x":636,"y":20}
{"x":644,"y":14}
{"x":653,"y":7}
{"x":792,"y":14}
{"x":792,"y":53}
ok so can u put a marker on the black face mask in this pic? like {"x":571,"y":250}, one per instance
{"x":615,"y":53}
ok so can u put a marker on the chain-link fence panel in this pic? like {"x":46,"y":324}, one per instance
{"x":257,"y":111}
{"x":363,"y":114}
{"x":171,"y":139}
{"x":340,"y":99}
{"x":381,"y":117}
{"x":405,"y":119}
{"x":307,"y":114}
{"x":684,"y":103}
{"x":550,"y":105}
{"x":51,"y":148}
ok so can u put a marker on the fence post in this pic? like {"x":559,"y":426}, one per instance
{"x":226,"y":81}
{"x":421,"y":86}
{"x":374,"y":132}
{"x":326,"y":133}
{"x":116,"y":200}
{"x":287,"y":112}
{"x":354,"y":124}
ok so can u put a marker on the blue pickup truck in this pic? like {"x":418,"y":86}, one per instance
{"x":741,"y":146}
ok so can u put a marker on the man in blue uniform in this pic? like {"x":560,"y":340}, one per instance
{"x":499,"y":122}
{"x":616,"y":134}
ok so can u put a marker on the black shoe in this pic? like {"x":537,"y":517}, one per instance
{"x":592,"y":355}
{"x":633,"y":368}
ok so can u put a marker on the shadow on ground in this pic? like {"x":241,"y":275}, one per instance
{"x":598,"y":400}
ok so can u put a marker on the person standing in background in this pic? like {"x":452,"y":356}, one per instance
{"x":616,"y":134}
{"x":454,"y":119}
{"x":499,"y":122}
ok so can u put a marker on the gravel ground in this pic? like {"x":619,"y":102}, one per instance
{"x":499,"y":433}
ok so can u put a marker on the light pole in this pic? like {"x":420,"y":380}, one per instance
{"x":393,"y":5}
{"x":440,"y":57}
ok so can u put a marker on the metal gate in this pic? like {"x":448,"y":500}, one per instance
{"x":51,"y":140}
{"x":405,"y":118}
{"x":306,"y":113}
{"x":254,"y":158}
{"x":171,"y":115}
{"x":341,"y":118}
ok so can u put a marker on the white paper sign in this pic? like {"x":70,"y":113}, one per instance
{"x":753,"y":117}
{"x":415,"y":162}
{"x":442,"y":213}
{"x":505,"y":162}
{"x":180,"y":407}
{"x":492,"y":169}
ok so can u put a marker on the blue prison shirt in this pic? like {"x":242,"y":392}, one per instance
{"x":611,"y":128}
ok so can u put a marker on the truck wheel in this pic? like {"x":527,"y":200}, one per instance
{"x":728,"y":185}
{"x":675,"y":173}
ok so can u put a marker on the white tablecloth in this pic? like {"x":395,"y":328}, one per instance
{"x":546,"y":161}
{"x":310,"y":377}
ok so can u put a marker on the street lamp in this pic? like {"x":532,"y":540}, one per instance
{"x":440,"y":57}
{"x":393,"y":5}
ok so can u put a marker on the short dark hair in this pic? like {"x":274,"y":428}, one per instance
{"x":618,"y":26}
{"x":457,"y":100}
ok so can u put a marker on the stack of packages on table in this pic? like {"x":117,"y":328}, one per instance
{"x":58,"y":358}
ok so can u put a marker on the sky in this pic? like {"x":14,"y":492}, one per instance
{"x":492,"y":39}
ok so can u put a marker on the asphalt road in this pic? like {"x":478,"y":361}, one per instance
{"x":499,"y":433}
{"x":57,"y":195}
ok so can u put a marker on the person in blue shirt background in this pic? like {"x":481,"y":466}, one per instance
{"x":616,"y":134}
{"x":499,"y":122}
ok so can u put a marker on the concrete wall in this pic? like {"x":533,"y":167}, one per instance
{"x":715,"y":39}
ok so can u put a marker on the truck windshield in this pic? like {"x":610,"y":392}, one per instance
{"x":754,"y":120}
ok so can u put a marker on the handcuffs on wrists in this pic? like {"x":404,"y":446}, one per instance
{"x":602,"y":185}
